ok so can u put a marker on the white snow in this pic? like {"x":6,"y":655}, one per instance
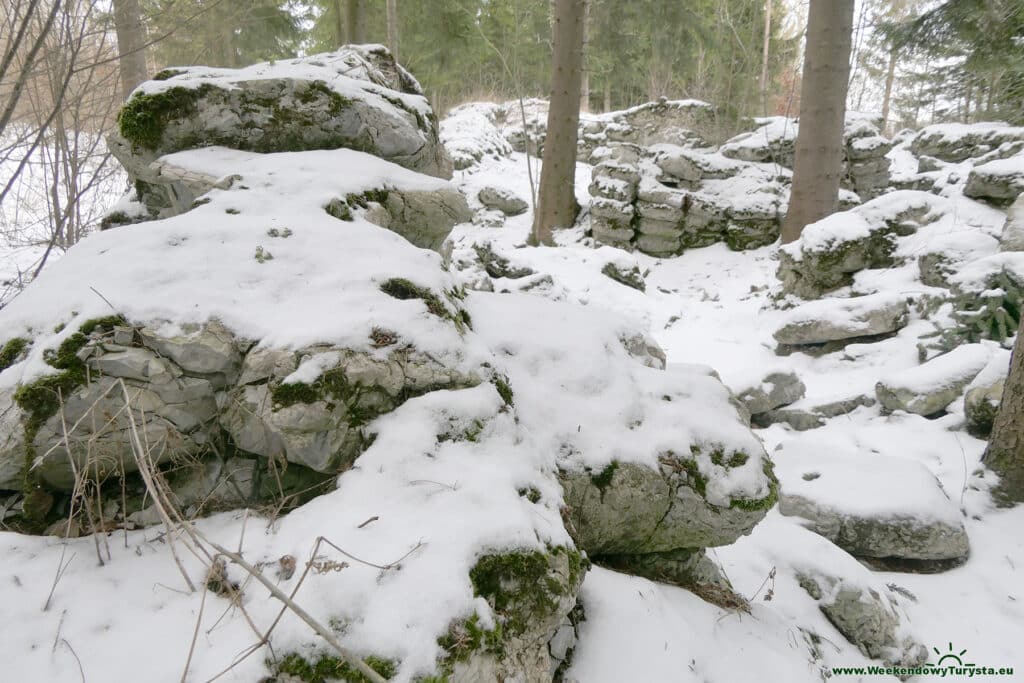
{"x":575,"y":387}
{"x":961,"y":364}
{"x":861,"y":484}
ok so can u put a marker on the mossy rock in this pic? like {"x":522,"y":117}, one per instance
{"x":531,"y":594}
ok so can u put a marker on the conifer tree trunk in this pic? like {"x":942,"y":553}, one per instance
{"x":818,"y":166}
{"x":765,"y":50}
{"x":392,"y":20}
{"x":1005,"y":452}
{"x":556,"y":204}
{"x":356,"y":21}
{"x":131,"y":42}
{"x":890,"y":76}
{"x":585,"y":83}
{"x":340,"y":34}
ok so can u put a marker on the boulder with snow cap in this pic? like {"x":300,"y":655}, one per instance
{"x":506,"y":201}
{"x":832,"y":320}
{"x":887,"y":509}
{"x":930,"y":387}
{"x":356,"y":98}
{"x":999,"y":181}
{"x":830,"y":251}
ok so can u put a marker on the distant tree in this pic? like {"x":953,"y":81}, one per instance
{"x":131,"y":44}
{"x":556,"y":204}
{"x":355,"y":13}
{"x":392,"y":20}
{"x":981,"y":42}
{"x":1005,"y":453}
{"x":818,"y":164}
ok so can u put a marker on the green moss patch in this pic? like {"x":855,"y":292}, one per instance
{"x":144,"y":117}
{"x":328,"y":668}
{"x":766,"y":503}
{"x":167,"y":74}
{"x":603,"y":479}
{"x":11,"y":352}
{"x":467,"y":637}
{"x":631,"y":278}
{"x":504,"y":389}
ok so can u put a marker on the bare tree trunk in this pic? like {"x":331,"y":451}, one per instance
{"x":890,"y":75}
{"x":557,"y":199}
{"x":607,"y":99}
{"x":392,"y":19}
{"x":131,"y":44}
{"x":1005,"y":452}
{"x":585,"y":83}
{"x":356,"y":20}
{"x":764,"y":53}
{"x":340,"y":37}
{"x":818,"y":165}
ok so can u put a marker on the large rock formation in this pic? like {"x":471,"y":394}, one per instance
{"x":357,"y":97}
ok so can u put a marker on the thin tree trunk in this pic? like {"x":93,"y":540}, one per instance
{"x":556,"y":205}
{"x":606,"y":101}
{"x":818,"y":165}
{"x":392,"y":19}
{"x":764,"y":53}
{"x":1005,"y":452}
{"x":131,"y":44}
{"x":890,"y":75}
{"x":340,"y":37}
{"x":356,"y":22}
{"x":585,"y":83}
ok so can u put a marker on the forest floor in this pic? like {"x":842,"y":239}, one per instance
{"x":714,"y":306}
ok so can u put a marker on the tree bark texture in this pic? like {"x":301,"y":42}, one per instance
{"x":1005,"y":452}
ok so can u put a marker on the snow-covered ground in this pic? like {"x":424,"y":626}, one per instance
{"x":711,"y":306}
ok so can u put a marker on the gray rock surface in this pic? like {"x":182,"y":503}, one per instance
{"x":906,"y":537}
{"x":865,"y":618}
{"x":1012,"y":238}
{"x":929,"y":388}
{"x":828,"y":320}
{"x":264,"y":108}
{"x":506,"y":201}
{"x":633,"y":509}
{"x":319,"y":425}
{"x":981,"y":404}
{"x":775,"y":390}
{"x":999,"y":182}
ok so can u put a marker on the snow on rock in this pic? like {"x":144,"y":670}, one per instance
{"x":932,"y":386}
{"x":651,"y":460}
{"x":777,"y":389}
{"x":956,"y":142}
{"x":818,"y":322}
{"x":871,"y":506}
{"x":1012,"y":237}
{"x":999,"y":181}
{"x":357,"y":97}
{"x":469,"y":134}
{"x":830,"y":251}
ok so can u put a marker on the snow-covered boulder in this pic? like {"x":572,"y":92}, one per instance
{"x":1012,"y":238}
{"x":999,"y":181}
{"x":678,"y":469}
{"x":956,"y":142}
{"x":930,"y":387}
{"x":499,"y":199}
{"x":357,"y":97}
{"x":879,"y":507}
{"x":830,"y":251}
{"x":981,"y":405}
{"x":468,"y":134}
{"x":777,"y":389}
{"x":865,"y":617}
{"x":827,"y":320}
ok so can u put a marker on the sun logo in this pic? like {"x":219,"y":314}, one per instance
{"x":951,"y":656}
